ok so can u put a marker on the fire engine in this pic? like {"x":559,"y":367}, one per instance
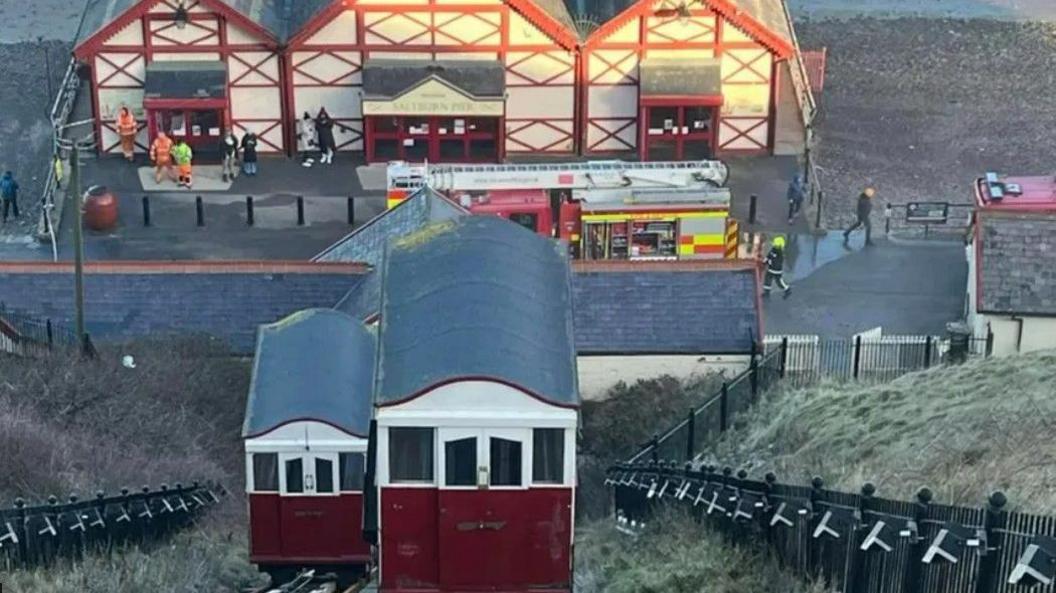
{"x":603,"y":209}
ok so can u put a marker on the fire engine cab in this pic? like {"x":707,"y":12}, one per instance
{"x":603,"y":209}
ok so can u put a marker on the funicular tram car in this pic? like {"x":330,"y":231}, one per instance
{"x":305,"y":435}
{"x":476,"y":408}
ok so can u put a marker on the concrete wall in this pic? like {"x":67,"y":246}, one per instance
{"x":598,"y":373}
{"x":1038,"y":333}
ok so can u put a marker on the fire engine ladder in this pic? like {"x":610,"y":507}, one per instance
{"x":601,"y":174}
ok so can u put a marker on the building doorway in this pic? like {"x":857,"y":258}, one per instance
{"x":437,"y":139}
{"x":678,"y":132}
{"x":201,"y":128}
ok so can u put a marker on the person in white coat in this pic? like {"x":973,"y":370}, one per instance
{"x":306,"y":140}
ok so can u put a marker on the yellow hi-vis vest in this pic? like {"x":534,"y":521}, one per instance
{"x":182,"y":153}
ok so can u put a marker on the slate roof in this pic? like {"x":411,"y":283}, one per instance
{"x":666,"y":77}
{"x":665,"y":312}
{"x":367,"y":243}
{"x":226,"y":301}
{"x":182,"y":80}
{"x":558,"y":11}
{"x":390,"y":78}
{"x":1017,"y":264}
{"x":476,"y":297}
{"x":316,"y":364}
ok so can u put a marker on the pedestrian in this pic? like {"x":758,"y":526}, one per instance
{"x":9,"y":194}
{"x":796,"y":193}
{"x":229,"y":153}
{"x":126,"y":128}
{"x":184,"y":156}
{"x":56,"y":163}
{"x":161,"y":154}
{"x":324,"y":131}
{"x":775,"y":268}
{"x":306,"y":139}
{"x":865,"y":208}
{"x":249,"y":154}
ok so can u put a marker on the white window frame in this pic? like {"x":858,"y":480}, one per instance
{"x":385,"y":472}
{"x":446,"y":435}
{"x":363,"y":455}
{"x":483,"y":436}
{"x":568,"y":462}
{"x":308,"y":472}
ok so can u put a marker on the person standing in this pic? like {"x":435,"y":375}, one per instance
{"x":229,"y":154}
{"x":126,"y":128}
{"x":249,"y":154}
{"x":161,"y":154}
{"x":183,"y":155}
{"x":324,"y":131}
{"x":796,"y":193}
{"x":775,"y":268}
{"x":865,"y":208}
{"x":306,"y":139}
{"x":9,"y":194}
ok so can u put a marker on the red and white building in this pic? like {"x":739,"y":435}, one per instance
{"x":458,"y":80}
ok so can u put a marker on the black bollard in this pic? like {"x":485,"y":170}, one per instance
{"x":751,"y":208}
{"x":146,"y":211}
{"x":199,"y":210}
{"x":249,"y":210}
{"x":300,"y":210}
{"x":351,"y":212}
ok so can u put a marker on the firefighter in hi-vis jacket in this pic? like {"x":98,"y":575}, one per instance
{"x":775,"y":268}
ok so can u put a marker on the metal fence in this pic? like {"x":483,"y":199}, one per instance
{"x":33,"y":536}
{"x":23,"y":335}
{"x":853,"y":543}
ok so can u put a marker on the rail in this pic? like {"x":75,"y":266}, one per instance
{"x":853,"y":542}
{"x":310,"y":581}
{"x":39,"y":535}
{"x":24,"y":335}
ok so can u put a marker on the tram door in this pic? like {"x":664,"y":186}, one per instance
{"x":310,"y":511}
{"x":483,"y":482}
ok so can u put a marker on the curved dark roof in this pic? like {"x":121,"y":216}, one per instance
{"x":476,"y":297}
{"x":317,"y":364}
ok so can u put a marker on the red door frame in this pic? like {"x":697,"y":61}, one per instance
{"x":680,"y":103}
{"x":433,"y":137}
{"x":150,"y":106}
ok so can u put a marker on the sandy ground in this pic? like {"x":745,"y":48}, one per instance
{"x":921,"y":107}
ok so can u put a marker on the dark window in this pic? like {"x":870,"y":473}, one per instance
{"x":478,"y":125}
{"x":416,"y":149}
{"x":663,"y":119}
{"x":452,"y":148}
{"x":386,"y":149}
{"x":294,"y":476}
{"x":505,"y":462}
{"x":324,"y":475}
{"x":460,"y":462}
{"x":483,"y":149}
{"x":410,"y":455}
{"x":384,"y":124}
{"x":528,"y":220}
{"x":350,"y":466}
{"x":698,"y":119}
{"x":548,"y":455}
{"x":266,"y":472}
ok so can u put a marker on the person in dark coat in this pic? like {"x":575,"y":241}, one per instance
{"x":865,"y":208}
{"x":324,"y":134}
{"x":229,"y":154}
{"x":249,"y":154}
{"x":796,"y":193}
{"x":775,"y":268}
{"x":9,"y":194}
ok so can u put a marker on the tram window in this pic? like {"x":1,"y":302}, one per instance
{"x":460,"y":462}
{"x":324,"y":476}
{"x":410,"y":455}
{"x":505,"y":462}
{"x":528,"y":220}
{"x":294,"y":476}
{"x":266,"y":472}
{"x":548,"y":456}
{"x":351,"y":469}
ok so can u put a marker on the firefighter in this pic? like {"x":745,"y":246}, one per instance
{"x":775,"y":268}
{"x":183,"y":154}
{"x":161,"y":154}
{"x":126,"y":128}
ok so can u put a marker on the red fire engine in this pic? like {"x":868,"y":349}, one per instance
{"x":603,"y":209}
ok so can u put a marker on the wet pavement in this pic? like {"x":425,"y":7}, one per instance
{"x":904,"y":287}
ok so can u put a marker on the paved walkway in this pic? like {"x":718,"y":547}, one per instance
{"x":904,"y":287}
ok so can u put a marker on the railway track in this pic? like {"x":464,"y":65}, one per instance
{"x":310,"y":582}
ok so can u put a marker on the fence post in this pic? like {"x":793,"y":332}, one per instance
{"x":753,"y":370}
{"x":723,"y":396}
{"x":249,"y":210}
{"x":857,"y":355}
{"x":813,"y":566}
{"x":51,"y":334}
{"x":927,"y":352}
{"x":20,"y":528}
{"x":989,"y":341}
{"x":918,"y":545}
{"x":751,"y":208}
{"x":994,"y":524}
{"x":146,"y":211}
{"x":690,"y":434}
{"x":817,"y":212}
{"x":300,"y":210}
{"x":654,"y":448}
{"x":784,"y":356}
{"x":351,"y":212}
{"x":199,"y":210}
{"x":857,"y":556}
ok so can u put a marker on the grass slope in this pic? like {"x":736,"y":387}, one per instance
{"x":962,"y":431}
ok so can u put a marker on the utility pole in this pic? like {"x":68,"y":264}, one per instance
{"x":74,"y":189}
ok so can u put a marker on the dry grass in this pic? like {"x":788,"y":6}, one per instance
{"x":962,"y":431}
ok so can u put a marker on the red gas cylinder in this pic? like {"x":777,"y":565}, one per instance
{"x":100,"y":209}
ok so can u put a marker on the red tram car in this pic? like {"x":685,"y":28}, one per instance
{"x":305,"y":436}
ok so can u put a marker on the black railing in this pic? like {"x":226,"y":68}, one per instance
{"x":24,"y":335}
{"x":854,"y":543}
{"x":39,"y":535}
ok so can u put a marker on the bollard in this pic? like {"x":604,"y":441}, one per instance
{"x":300,"y":210}
{"x":751,"y":208}
{"x":199,"y":210}
{"x":51,"y":335}
{"x":249,"y":210}
{"x":351,"y":212}
{"x":817,"y":212}
{"x":146,"y":211}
